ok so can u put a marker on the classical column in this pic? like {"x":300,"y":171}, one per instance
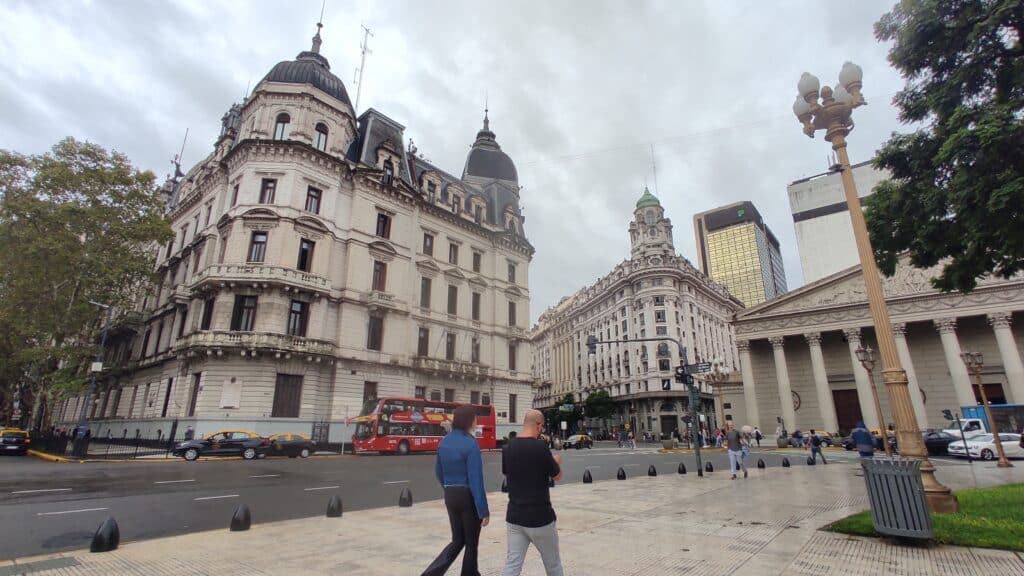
{"x":749,"y":391}
{"x":863,"y":380}
{"x":785,"y":390}
{"x":899,"y":331}
{"x":821,"y":386}
{"x":956,"y":366}
{"x":1000,"y":322}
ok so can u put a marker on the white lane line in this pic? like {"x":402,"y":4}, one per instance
{"x":46,"y":490}
{"x":265,"y":476}
{"x":592,"y":467}
{"x":70,"y":511}
{"x":629,"y":465}
{"x":396,"y":482}
{"x":216,"y":497}
{"x":173,"y":481}
{"x":320,"y":488}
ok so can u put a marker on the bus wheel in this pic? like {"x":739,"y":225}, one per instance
{"x":403,"y":447}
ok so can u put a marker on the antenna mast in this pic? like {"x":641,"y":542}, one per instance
{"x":365,"y":48}
{"x":654,"y":165}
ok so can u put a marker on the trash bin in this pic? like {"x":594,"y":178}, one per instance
{"x":898,"y":504}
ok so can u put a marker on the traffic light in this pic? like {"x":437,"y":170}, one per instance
{"x":591,"y":344}
{"x":948,"y":415}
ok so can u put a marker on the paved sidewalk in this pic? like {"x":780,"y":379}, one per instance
{"x":670,"y":524}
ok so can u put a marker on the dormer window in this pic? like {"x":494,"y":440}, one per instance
{"x":320,"y":137}
{"x":389,"y":173}
{"x":281,"y":126}
{"x":456,"y":202}
{"x":431,"y":189}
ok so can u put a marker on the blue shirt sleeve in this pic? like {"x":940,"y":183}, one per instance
{"x":437,"y":469}
{"x":475,"y":470}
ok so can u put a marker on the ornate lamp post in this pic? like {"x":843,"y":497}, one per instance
{"x":833,"y":115}
{"x":867,"y":360}
{"x":974,"y":362}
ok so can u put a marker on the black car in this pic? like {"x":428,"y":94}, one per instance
{"x":938,"y":442}
{"x":14,"y":441}
{"x":290,"y":445}
{"x":244,"y":443}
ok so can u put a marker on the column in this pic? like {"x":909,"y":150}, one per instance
{"x":749,"y":391}
{"x":899,"y":332}
{"x":821,"y":386}
{"x":865,"y":396}
{"x":785,"y":390}
{"x":1000,"y":322}
{"x":957,"y":370}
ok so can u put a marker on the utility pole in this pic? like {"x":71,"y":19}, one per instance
{"x":97,"y":366}
{"x":365,"y":49}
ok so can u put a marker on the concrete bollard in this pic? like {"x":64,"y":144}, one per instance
{"x":760,"y":463}
{"x":811,"y":461}
{"x":334,"y":507}
{"x":107,"y":536}
{"x":785,"y":462}
{"x":242,"y":519}
{"x":504,"y":484}
{"x":652,"y":471}
{"x":587,"y":478}
{"x":709,"y":467}
{"x":682,"y":468}
{"x":621,"y":475}
{"x":405,"y":499}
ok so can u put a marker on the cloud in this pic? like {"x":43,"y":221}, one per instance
{"x":578,"y":91}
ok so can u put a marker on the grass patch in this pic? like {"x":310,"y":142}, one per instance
{"x":988,"y":518}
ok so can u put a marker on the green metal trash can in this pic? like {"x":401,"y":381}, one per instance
{"x":898,"y":504}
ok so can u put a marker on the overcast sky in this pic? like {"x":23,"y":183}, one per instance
{"x":578,"y":93}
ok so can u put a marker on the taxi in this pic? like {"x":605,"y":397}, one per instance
{"x":291,"y":445}
{"x":245,"y":443}
{"x":14,"y":441}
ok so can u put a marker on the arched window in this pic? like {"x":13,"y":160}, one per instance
{"x":389,"y":172}
{"x":281,"y":126}
{"x":650,"y":217}
{"x":320,"y":138}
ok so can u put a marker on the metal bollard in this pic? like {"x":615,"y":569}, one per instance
{"x":107,"y":536}
{"x":241,"y":519}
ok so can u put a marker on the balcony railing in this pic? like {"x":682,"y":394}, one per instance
{"x":261,"y":273}
{"x":450,"y":367}
{"x":257,"y":341}
{"x":378,"y":299}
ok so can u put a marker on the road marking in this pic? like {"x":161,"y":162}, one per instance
{"x":320,"y":488}
{"x":265,"y":476}
{"x":173,"y":481}
{"x":70,"y":511}
{"x":591,"y":467}
{"x":629,"y":465}
{"x":216,"y":497}
{"x":46,"y":490}
{"x":396,"y":482}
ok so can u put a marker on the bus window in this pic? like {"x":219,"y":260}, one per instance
{"x":369,"y":407}
{"x":483,"y":410}
{"x":364,"y":430}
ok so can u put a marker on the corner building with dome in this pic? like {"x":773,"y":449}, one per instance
{"x":654,"y":293}
{"x":318,"y":262}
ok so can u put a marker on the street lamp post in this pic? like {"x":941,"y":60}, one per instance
{"x":833,"y":115}
{"x":80,"y":448}
{"x":974,"y":362}
{"x":866,"y":356}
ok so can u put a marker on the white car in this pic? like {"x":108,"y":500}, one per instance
{"x":984,"y":446}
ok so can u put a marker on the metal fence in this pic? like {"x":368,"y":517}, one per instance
{"x":112,"y":448}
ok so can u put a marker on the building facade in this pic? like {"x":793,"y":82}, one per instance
{"x":736,"y":249}
{"x":656,"y":293}
{"x":824,"y":234}
{"x":318,"y":263}
{"x":799,"y":363}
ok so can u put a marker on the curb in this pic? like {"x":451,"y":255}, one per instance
{"x":50,"y":457}
{"x":689,"y":450}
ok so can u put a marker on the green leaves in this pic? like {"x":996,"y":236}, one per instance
{"x":600,"y":405}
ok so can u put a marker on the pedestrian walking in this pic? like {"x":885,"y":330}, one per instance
{"x":460,"y":471}
{"x":734,"y":444}
{"x":189,"y":433}
{"x":815,"y":442}
{"x":529,"y":466}
{"x":863,"y":441}
{"x":758,"y":436}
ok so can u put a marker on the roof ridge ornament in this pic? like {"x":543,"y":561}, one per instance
{"x":320,"y":24}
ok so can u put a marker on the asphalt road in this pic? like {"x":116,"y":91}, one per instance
{"x":48,"y":507}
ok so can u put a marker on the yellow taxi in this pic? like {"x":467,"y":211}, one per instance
{"x":14,"y":441}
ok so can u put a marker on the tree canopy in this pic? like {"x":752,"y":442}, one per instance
{"x":956,"y":193}
{"x":600,"y":405}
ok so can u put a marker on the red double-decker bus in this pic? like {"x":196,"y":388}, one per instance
{"x":404,"y":425}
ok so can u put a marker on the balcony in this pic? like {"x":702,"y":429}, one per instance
{"x":449,"y":368}
{"x":516,"y":333}
{"x":377,"y":300}
{"x":181,"y":295}
{"x":224,"y":274}
{"x":215,"y":342}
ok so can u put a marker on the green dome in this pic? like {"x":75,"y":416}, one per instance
{"x":647,"y":199}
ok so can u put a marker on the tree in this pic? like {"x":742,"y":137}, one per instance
{"x":600,"y":405}
{"x":78,"y":224}
{"x":956,"y":193}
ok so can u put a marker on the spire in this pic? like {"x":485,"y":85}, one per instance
{"x":316,"y":38}
{"x":487,"y":121}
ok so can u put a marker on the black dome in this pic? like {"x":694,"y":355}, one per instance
{"x":486,"y":160}
{"x":309,"y":68}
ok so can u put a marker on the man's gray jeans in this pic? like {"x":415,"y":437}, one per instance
{"x":544,"y":538}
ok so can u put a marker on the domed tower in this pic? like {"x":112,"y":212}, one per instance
{"x":489,"y":168}
{"x":650,"y":233}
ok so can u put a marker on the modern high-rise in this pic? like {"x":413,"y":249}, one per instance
{"x":824,"y":234}
{"x":736,"y":249}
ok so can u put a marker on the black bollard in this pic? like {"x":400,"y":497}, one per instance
{"x":241,"y":519}
{"x":709,"y":467}
{"x":682,"y":468}
{"x":107,"y":536}
{"x":621,"y":475}
{"x":504,"y":484}
{"x":811,"y":461}
{"x":587,"y":478}
{"x":760,"y":463}
{"x":652,"y":471}
{"x":334,"y":507}
{"x":785,"y":462}
{"x":405,"y":499}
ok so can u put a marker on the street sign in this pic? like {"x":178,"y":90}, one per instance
{"x":703,"y":367}
{"x":565,"y":425}
{"x":566,"y":408}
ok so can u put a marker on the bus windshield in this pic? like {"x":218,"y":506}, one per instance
{"x":364,"y":430}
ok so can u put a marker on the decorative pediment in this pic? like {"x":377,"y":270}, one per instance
{"x":312,"y":224}
{"x":478,"y":281}
{"x":454,"y":274}
{"x":428,"y":268}
{"x":514,"y":292}
{"x":382,"y":250}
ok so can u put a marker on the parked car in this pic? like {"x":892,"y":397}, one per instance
{"x":14,"y":441}
{"x":984,"y":447}
{"x":249,"y":445}
{"x":578,"y":441}
{"x":290,"y":445}
{"x":937,"y":442}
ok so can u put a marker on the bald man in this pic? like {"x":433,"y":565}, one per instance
{"x":528,"y":465}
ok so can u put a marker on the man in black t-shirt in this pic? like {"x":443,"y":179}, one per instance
{"x":528,"y":465}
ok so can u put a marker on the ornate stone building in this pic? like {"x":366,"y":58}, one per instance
{"x":798,"y":352}
{"x":654,"y":293}
{"x":317,"y":263}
